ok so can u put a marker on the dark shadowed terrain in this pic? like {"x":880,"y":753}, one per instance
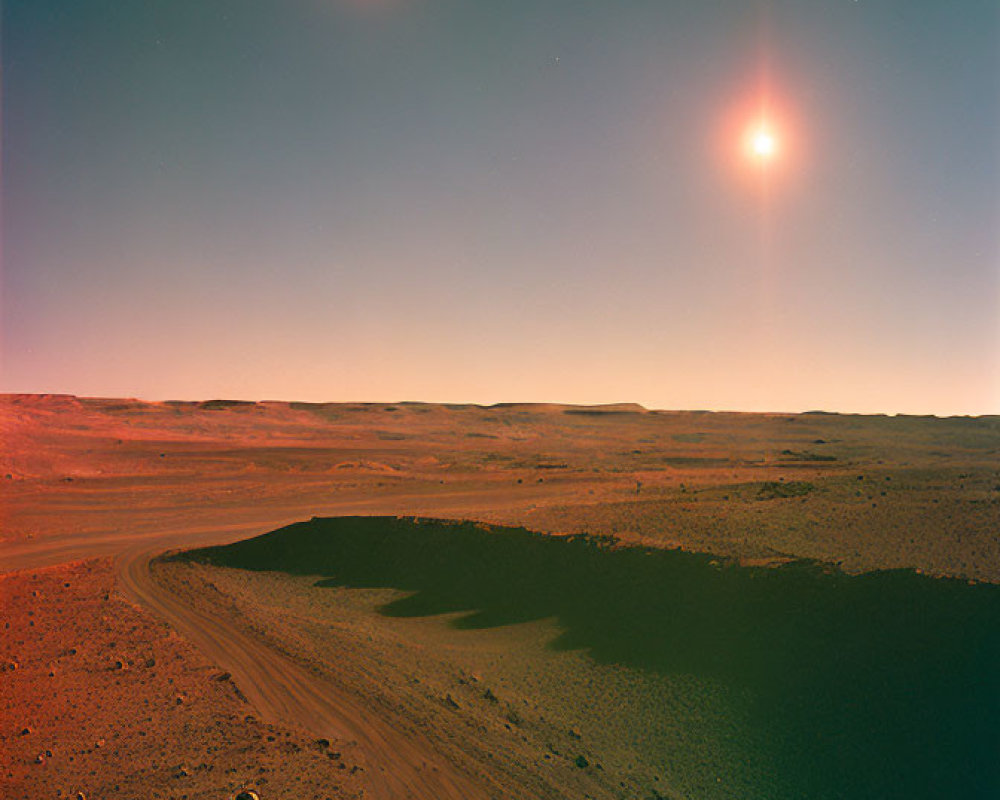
{"x":877,"y":685}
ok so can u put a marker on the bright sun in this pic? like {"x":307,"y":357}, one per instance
{"x":763,"y":144}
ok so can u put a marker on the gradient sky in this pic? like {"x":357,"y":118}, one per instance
{"x":462,"y":200}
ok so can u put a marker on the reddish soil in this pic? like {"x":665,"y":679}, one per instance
{"x":82,"y":480}
{"x":101,"y":698}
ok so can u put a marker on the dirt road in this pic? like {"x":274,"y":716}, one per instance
{"x":398,"y":765}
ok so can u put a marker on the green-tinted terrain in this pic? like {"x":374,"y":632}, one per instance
{"x":850,"y":686}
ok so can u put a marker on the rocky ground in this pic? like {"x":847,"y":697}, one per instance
{"x":101,"y":700}
{"x":85,"y":480}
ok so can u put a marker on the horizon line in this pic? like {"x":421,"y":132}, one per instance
{"x":620,"y":406}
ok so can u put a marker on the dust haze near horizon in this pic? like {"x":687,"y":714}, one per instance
{"x":484,"y":202}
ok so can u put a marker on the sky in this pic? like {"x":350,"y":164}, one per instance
{"x":473,"y":201}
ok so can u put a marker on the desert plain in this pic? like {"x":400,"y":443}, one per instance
{"x":387,"y":600}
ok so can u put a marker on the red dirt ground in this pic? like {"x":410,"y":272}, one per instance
{"x":82,"y":480}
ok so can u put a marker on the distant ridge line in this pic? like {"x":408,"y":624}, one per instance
{"x":55,"y":399}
